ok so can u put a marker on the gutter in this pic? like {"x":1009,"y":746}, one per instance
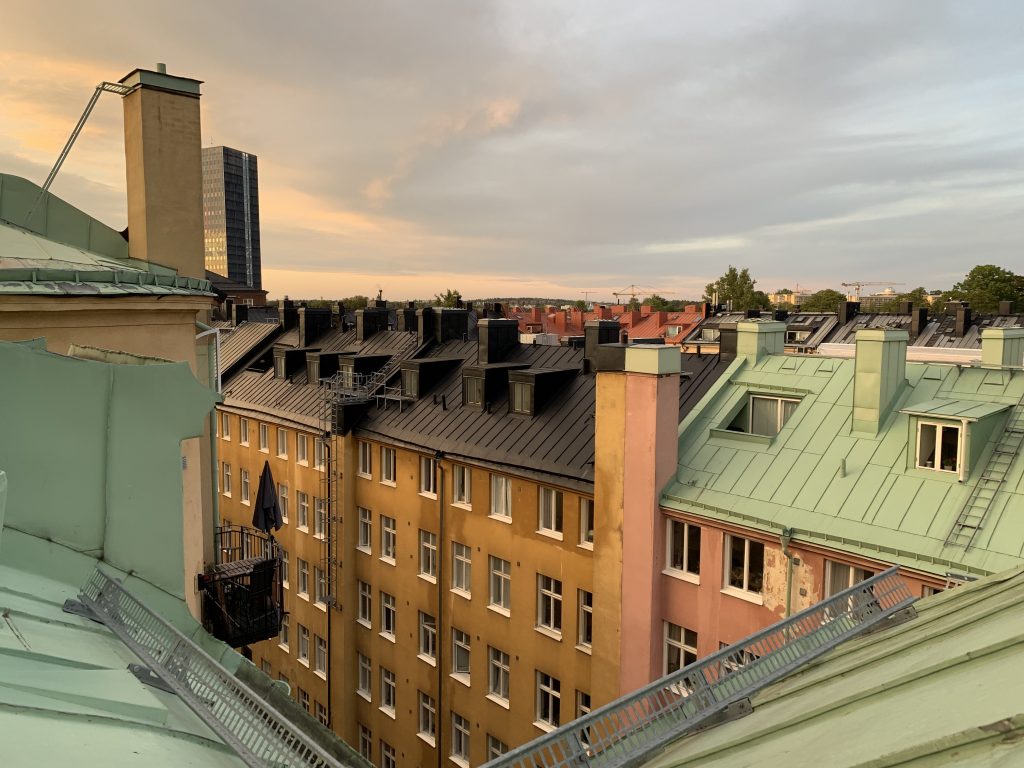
{"x":785,"y":538}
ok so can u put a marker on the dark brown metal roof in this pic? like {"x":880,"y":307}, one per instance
{"x":939,"y":331}
{"x":240,"y":341}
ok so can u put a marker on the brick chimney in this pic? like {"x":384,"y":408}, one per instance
{"x":163,"y":166}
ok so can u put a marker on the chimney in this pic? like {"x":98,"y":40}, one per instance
{"x":451,"y":323}
{"x":424,"y":325}
{"x":963,"y":320}
{"x":1005,"y":307}
{"x":369,"y":321}
{"x":753,"y":313}
{"x":596,"y":333}
{"x":163,"y":167}
{"x":904,"y":307}
{"x":227,"y":308}
{"x":780,"y":315}
{"x":239,"y":314}
{"x":313,"y":323}
{"x":880,"y":373}
{"x":918,"y":321}
{"x":706,"y":309}
{"x":1002,"y":346}
{"x":407,"y":317}
{"x":847,"y":311}
{"x":287,"y":314}
{"x":756,"y":340}
{"x":497,"y":338}
{"x":727,"y":343}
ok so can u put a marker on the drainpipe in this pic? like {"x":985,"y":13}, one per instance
{"x":439,"y":638}
{"x":785,"y":538}
{"x":332,"y":574}
{"x":961,"y":451}
{"x":205,"y":331}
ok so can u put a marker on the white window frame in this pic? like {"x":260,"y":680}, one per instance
{"x":282,"y":443}
{"x":549,"y":701}
{"x":549,"y":604}
{"x":302,"y":504}
{"x":364,"y":604}
{"x":584,"y":619}
{"x":364,"y":542}
{"x":855,"y":574}
{"x":322,"y":716}
{"x":501,"y":498}
{"x":264,"y":433}
{"x":500,"y":578}
{"x":225,"y":426}
{"x":550,"y":504}
{"x":225,"y":485}
{"x":940,"y":427}
{"x":681,"y":531}
{"x":495,"y":747}
{"x":677,"y":644}
{"x":427,"y":729}
{"x":284,"y":635}
{"x":388,"y":539}
{"x":428,"y":638}
{"x":461,"y":655}
{"x":282,"y":500}
{"x":388,"y":616}
{"x":243,"y":431}
{"x":586,"y":523}
{"x":428,"y":556}
{"x":365,"y":460}
{"x":780,"y":411}
{"x":743,"y":591}
{"x":320,"y":656}
{"x":284,"y":568}
{"x":388,"y":691}
{"x":319,"y":453}
{"x":462,"y":569}
{"x":302,"y":449}
{"x":462,"y":486}
{"x":303,"y":655}
{"x":364,"y":682}
{"x":388,"y":756}
{"x":388,"y":466}
{"x":460,"y":739}
{"x":319,"y":586}
{"x":302,"y":569}
{"x":499,"y":674}
{"x":365,"y":742}
{"x":303,"y":696}
{"x":319,"y":517}
{"x":428,"y":477}
{"x":243,"y":482}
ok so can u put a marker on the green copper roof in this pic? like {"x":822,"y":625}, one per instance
{"x":970,"y":410}
{"x":851,"y":491}
{"x":941,"y":689}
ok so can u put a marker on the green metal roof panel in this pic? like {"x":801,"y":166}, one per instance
{"x":971,"y":410}
{"x":940,"y":689}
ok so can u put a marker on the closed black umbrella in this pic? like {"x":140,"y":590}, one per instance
{"x":267,"y":514}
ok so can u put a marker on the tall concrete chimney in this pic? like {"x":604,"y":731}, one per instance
{"x":880,"y":376}
{"x":163,"y":165}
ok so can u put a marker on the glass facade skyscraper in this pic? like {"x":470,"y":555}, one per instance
{"x":231,"y":215}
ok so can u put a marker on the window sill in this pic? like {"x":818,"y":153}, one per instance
{"x":321,"y":675}
{"x":461,"y":593}
{"x":364,"y":695}
{"x":303,"y":595}
{"x":389,"y":711}
{"x":503,"y":703}
{"x":545,"y":727}
{"x":302,"y":528}
{"x":389,"y":483}
{"x":321,"y":605}
{"x":303,"y":462}
{"x":461,"y":678}
{"x":506,"y":519}
{"x":283,"y":456}
{"x":463,"y":505}
{"x":286,"y":585}
{"x":740,"y":437}
{"x":364,"y":623}
{"x":428,"y":495}
{"x":245,"y":502}
{"x":264,"y":450}
{"x":587,"y":545}
{"x":427,"y":659}
{"x":556,"y":535}
{"x":427,"y":738}
{"x":388,"y":560}
{"x":389,"y":636}
{"x":244,"y":444}
{"x":427,"y":578}
{"x":461,"y":762}
{"x":500,"y":611}
{"x":283,"y":647}
{"x":587,"y":649}
{"x":742,"y":594}
{"x":319,"y":536}
{"x":364,"y":550}
{"x":304,"y":662}
{"x":692,"y":578}
{"x":364,"y":475}
{"x":227,"y":494}
{"x":554,"y":634}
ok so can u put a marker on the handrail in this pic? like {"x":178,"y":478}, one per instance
{"x":257,"y":732}
{"x":641,"y":722}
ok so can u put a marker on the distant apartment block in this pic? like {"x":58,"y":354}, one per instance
{"x":231,"y":215}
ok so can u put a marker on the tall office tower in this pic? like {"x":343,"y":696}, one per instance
{"x":231,"y":213}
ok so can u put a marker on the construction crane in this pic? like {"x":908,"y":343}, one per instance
{"x":859,"y":285}
{"x":636,"y":290}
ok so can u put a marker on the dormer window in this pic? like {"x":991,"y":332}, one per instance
{"x":769,"y":414}
{"x":938,"y":446}
{"x":473,"y":390}
{"x":709,"y":334}
{"x":313,"y":370}
{"x":279,"y":367}
{"x":797,"y":337}
{"x":410,"y":383}
{"x":521,"y":397}
{"x":347,"y":374}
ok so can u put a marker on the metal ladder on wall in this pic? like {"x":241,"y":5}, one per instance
{"x":979,"y":503}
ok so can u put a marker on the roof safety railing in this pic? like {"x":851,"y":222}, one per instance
{"x":642,"y":722}
{"x":257,"y":732}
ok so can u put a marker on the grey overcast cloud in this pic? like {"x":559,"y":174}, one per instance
{"x":546,"y":148}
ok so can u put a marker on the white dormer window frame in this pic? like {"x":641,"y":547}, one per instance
{"x":932,"y":453}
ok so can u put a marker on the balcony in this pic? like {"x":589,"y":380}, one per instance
{"x":242,"y":592}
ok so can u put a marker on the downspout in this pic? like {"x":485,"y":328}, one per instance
{"x":439,"y":639}
{"x":204,"y":332}
{"x":785,"y":538}
{"x":332,"y":575}
{"x":962,"y":451}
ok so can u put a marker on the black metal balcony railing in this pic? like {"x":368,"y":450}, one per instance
{"x":242,"y":593}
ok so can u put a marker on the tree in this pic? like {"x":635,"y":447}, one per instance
{"x":986,"y":285}
{"x":917,"y":297}
{"x":580,"y":305}
{"x":353,"y":303}
{"x":634,"y":304}
{"x":735,"y":287}
{"x":657,"y":302}
{"x":823,"y":301}
{"x":449,"y":298}
{"x":761,"y":300}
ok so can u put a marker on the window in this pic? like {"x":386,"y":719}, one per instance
{"x":501,"y":497}
{"x":495,"y":747}
{"x":428,"y":636}
{"x":365,"y":742}
{"x":498,"y":673}
{"x":266,"y":668}
{"x":744,"y":564}
{"x":769,"y":414}
{"x":304,"y":699}
{"x":549,"y":700}
{"x":461,"y":485}
{"x":365,"y":460}
{"x":264,"y":438}
{"x":387,"y":615}
{"x":303,"y":569}
{"x":365,"y":677}
{"x":521,"y":397}
{"x":428,"y":717}
{"x":927,"y":590}
{"x":737,"y":659}
{"x":388,"y":535}
{"x":550,"y":511}
{"x":585,"y":618}
{"x":938,"y":447}
{"x":387,"y":690}
{"x":428,"y":554}
{"x":304,"y":644}
{"x":671,"y":331}
{"x":365,"y":609}
{"x":501,"y":583}
{"x":284,"y":679}
{"x":319,"y":585}
{"x":319,"y":453}
{"x":243,"y":431}
{"x":428,"y":476}
{"x":388,"y":756}
{"x":460,"y":654}
{"x":682,"y":547}
{"x":388,"y":473}
{"x":460,"y":738}
{"x":365,"y":530}
{"x":321,"y":715}
{"x":587,"y":523}
{"x":549,"y":603}
{"x":797,"y":337}
{"x":462,"y":568}
{"x":282,"y":443}
{"x":283,"y":635}
{"x":410,"y":383}
{"x":320,"y":659}
{"x":680,"y":647}
{"x":284,"y":568}
{"x":225,"y":482}
{"x":708,"y":334}
{"x":840,"y":576}
{"x":583,"y":708}
{"x":302,"y":499}
{"x":282,"y":500}
{"x":302,"y":449}
{"x":225,"y":426}
{"x":320,"y":517}
{"x":472,"y":390}
{"x":243,"y":481}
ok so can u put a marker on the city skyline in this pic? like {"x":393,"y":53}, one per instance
{"x":529,"y":150}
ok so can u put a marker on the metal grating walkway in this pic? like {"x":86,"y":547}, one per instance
{"x":259,"y":734}
{"x":635,"y":726}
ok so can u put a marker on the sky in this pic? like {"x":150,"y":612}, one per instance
{"x":550,"y":148}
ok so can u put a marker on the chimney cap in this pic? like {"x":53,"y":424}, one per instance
{"x":148,"y":78}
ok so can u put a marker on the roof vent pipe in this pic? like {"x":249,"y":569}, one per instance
{"x":161,"y":68}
